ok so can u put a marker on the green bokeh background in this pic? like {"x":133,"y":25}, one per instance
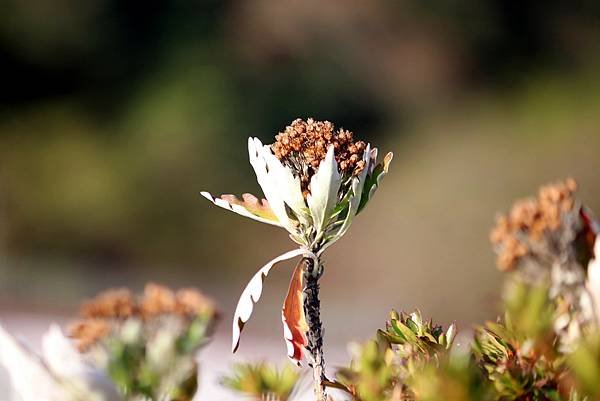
{"x":115,"y":115}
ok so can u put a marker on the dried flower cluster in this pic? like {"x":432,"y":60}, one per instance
{"x":112,"y":306}
{"x":114,"y":303}
{"x":159,"y":300}
{"x":529,"y":220}
{"x":303,"y":145}
{"x":88,"y":332}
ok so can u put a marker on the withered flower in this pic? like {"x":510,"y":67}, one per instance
{"x":106,"y":313}
{"x":550,"y":239}
{"x":157,"y":300}
{"x":116,"y":303}
{"x":157,"y":332}
{"x":533,"y":223}
{"x":316,"y":179}
{"x":87,"y":332}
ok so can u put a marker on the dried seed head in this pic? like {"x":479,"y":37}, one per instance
{"x":109,"y":310}
{"x":530,"y":219}
{"x":157,"y":300}
{"x":512,"y":252}
{"x":303,"y":145}
{"x":191,"y":303}
{"x":117,"y":303}
{"x":88,"y":332}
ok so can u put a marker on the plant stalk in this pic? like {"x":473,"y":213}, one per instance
{"x":312,"y":311}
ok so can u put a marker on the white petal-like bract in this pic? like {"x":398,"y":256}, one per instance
{"x":287,"y":184}
{"x":61,"y":375}
{"x":268,"y":185}
{"x":25,"y":368}
{"x":66,"y":362}
{"x":324,"y":187}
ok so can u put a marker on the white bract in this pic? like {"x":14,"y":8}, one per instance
{"x":59,"y":374}
{"x":314,"y":222}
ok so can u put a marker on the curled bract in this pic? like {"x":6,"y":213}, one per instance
{"x":253,"y":292}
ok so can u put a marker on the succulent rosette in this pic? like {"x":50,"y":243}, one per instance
{"x":315,"y":180}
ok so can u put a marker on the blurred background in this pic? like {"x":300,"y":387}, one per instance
{"x":115,"y":115}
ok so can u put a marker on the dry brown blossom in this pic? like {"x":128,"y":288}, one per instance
{"x":529,"y":219}
{"x":303,"y":145}
{"x":191,"y":302}
{"x":109,"y":309}
{"x":88,"y":332}
{"x":512,"y":252}
{"x":117,"y":303}
{"x":157,"y":300}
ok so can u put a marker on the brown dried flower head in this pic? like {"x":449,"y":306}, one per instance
{"x":118,"y":303}
{"x":88,"y":332}
{"x":303,"y":145}
{"x":108,"y":310}
{"x":529,"y":220}
{"x":157,"y":300}
{"x":191,"y":302}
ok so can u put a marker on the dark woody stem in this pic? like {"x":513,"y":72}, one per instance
{"x":312,"y":311}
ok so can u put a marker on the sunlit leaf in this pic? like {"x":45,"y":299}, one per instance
{"x":249,"y":206}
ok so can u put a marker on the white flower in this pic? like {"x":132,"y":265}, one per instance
{"x":315,"y":205}
{"x":327,"y":212}
{"x":59,"y":374}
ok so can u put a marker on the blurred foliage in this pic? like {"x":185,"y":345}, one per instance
{"x":519,"y":355}
{"x":585,"y":365}
{"x":143,"y":368}
{"x":384,"y":369}
{"x":262,"y":382}
{"x":528,"y":308}
{"x":516,"y":358}
{"x":113,"y":117}
{"x":457,"y":378}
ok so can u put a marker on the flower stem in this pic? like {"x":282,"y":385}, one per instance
{"x":312,"y":311}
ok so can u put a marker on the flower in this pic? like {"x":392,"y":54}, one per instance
{"x":104,"y":315}
{"x":532,"y":223}
{"x":158,"y":332}
{"x":315,"y":180}
{"x":59,"y":374}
